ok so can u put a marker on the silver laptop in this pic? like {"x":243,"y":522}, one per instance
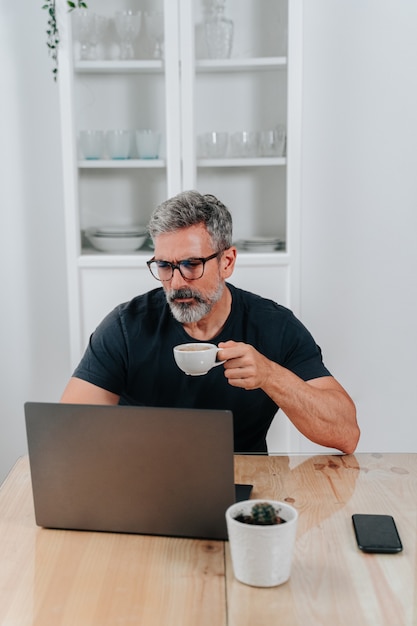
{"x":158,"y":471}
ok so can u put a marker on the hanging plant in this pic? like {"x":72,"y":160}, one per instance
{"x":52,"y":32}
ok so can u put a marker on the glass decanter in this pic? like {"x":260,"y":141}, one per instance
{"x":218,"y":32}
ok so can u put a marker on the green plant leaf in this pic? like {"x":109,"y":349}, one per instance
{"x":52,"y":32}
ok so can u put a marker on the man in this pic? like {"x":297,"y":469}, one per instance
{"x":271,"y":360}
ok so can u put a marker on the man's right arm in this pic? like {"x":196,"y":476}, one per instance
{"x":79,"y":391}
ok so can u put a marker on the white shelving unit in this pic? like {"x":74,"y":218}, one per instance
{"x":183,"y":95}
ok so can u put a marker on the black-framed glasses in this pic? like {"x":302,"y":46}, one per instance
{"x":190,"y":269}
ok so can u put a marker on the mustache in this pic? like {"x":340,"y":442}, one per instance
{"x":185,"y":293}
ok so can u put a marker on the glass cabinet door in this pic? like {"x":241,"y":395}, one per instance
{"x":218,"y":83}
{"x":235,"y":82}
{"x":125,"y":117}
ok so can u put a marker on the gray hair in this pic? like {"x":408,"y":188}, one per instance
{"x":189,"y":208}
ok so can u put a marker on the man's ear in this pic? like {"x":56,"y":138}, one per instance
{"x":227,"y":262}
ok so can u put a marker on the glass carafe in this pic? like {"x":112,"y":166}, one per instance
{"x":218,"y":32}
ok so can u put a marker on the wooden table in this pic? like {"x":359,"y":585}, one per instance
{"x":69,"y":578}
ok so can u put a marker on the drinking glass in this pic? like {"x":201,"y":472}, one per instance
{"x":89,"y":29}
{"x":127,"y":25}
{"x":118,"y":143}
{"x":155,"y":24}
{"x":148,"y":142}
{"x":272,"y":141}
{"x":214,"y":144}
{"x":91,"y":143}
{"x":245,"y":143}
{"x":100,"y":25}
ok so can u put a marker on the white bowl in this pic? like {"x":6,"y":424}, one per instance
{"x":117,"y":243}
{"x":117,"y":230}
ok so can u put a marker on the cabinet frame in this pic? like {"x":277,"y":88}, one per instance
{"x":181,"y":69}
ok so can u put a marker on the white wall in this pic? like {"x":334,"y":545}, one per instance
{"x":359,"y":213}
{"x":33,"y":313}
{"x":359,"y":206}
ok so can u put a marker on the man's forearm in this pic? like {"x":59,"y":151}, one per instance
{"x":320,"y":408}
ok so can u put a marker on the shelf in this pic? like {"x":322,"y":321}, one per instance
{"x":160,"y":163}
{"x":121,"y":163}
{"x":123,"y":67}
{"x":201,"y":65}
{"x":240,"y":64}
{"x":93,"y":259}
{"x":242,"y":162}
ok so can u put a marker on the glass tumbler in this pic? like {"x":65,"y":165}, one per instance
{"x":272,"y":142}
{"x":245,"y":143}
{"x":215,"y":144}
{"x":91,"y":143}
{"x":147,"y":142}
{"x":118,"y":144}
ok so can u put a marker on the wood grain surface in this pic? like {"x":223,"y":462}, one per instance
{"x":55,"y":578}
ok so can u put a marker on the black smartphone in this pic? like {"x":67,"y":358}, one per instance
{"x":376,"y":533}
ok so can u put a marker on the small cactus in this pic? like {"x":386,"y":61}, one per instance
{"x":262,"y":514}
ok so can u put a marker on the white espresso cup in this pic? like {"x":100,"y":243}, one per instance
{"x":196,"y":359}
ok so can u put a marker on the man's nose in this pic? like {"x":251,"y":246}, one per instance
{"x":177,"y":279}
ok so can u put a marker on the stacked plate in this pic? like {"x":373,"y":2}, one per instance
{"x":262,"y":244}
{"x":117,"y":239}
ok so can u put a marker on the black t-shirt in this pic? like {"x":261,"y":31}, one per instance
{"x":131,"y":355}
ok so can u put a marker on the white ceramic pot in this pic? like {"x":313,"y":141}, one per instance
{"x":262,"y":555}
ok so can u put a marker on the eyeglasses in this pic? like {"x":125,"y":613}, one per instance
{"x":190,"y":269}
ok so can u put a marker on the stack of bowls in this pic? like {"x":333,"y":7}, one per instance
{"x":117,"y":239}
{"x":262,"y":244}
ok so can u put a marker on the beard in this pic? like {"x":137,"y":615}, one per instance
{"x":190,"y":312}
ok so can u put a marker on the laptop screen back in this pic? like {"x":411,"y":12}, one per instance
{"x":131,"y":469}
